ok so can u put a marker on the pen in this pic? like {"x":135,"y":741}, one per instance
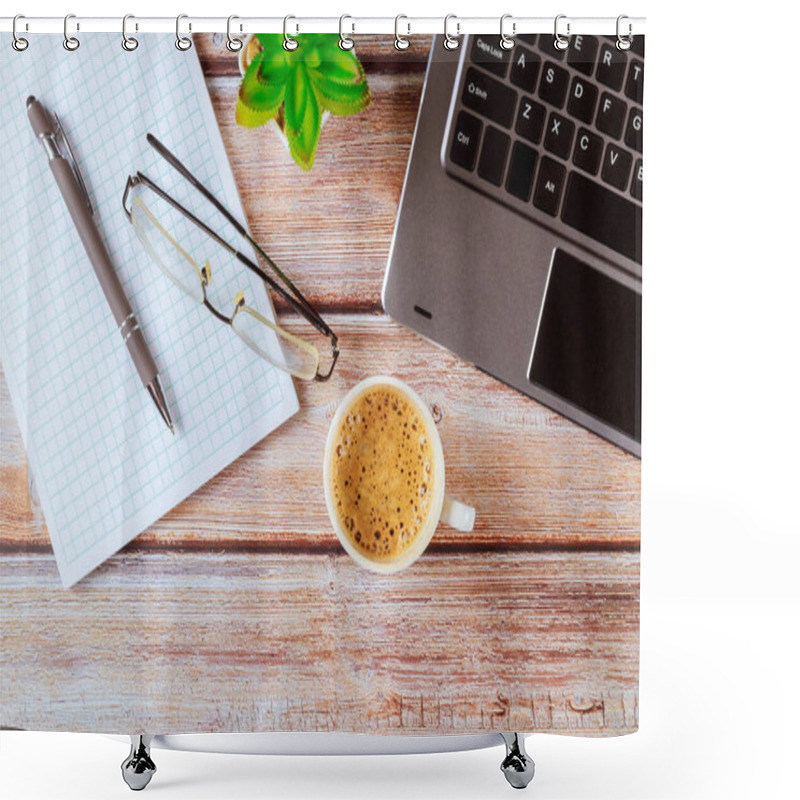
{"x":73,"y":190}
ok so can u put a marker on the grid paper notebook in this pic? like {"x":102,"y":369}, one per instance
{"x":103,"y":461}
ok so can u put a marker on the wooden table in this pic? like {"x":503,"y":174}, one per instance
{"x":239,"y":610}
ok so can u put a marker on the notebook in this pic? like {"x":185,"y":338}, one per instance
{"x":104,"y":464}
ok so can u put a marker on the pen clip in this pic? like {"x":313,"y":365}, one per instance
{"x":58,"y":132}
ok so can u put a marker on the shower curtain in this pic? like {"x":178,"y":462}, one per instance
{"x":467,"y":220}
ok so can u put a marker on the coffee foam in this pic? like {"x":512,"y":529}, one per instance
{"x":382,"y":473}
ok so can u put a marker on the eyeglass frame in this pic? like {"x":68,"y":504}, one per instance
{"x":296,"y":299}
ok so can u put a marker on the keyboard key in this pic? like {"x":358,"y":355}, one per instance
{"x":633,"y":131}
{"x":588,"y":151}
{"x":634,"y":86}
{"x":558,"y":138}
{"x":493,"y":155}
{"x":466,"y":133}
{"x":489,"y":97}
{"x":637,"y":45}
{"x":582,"y":52}
{"x":549,"y":183}
{"x":616,"y":167}
{"x":547,"y":46}
{"x":611,"y":115}
{"x":530,"y":119}
{"x":487,"y":53}
{"x":603,"y":215}
{"x":636,"y":183}
{"x":524,"y":68}
{"x":520,"y":171}
{"x":611,"y":67}
{"x":553,"y":85}
{"x":582,"y":100}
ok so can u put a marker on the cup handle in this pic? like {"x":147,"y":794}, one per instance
{"x":457,"y":515}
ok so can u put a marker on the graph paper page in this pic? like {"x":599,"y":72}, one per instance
{"x":103,"y":461}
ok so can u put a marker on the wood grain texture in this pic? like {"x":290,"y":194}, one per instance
{"x":239,"y":611}
{"x":297,"y":643}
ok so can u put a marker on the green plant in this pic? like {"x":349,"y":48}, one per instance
{"x":295,"y":88}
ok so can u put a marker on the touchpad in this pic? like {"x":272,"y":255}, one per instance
{"x":588,"y":344}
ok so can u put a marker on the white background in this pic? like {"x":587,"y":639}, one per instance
{"x":720,"y":535}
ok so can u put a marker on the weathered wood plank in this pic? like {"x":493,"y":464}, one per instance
{"x":536,"y":479}
{"x":314,"y":642}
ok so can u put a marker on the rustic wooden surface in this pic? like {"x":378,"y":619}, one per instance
{"x":239,"y":611}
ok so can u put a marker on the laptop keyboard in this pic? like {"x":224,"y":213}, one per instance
{"x":557,"y":135}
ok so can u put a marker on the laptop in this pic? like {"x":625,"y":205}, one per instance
{"x":517,"y":244}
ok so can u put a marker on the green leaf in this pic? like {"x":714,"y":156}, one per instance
{"x":250,"y":118}
{"x":264,"y":84}
{"x":302,"y":117}
{"x":341,"y":99}
{"x":271,"y":43}
{"x":339,"y":66}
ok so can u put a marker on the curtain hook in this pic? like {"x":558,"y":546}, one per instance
{"x":128,"y":42}
{"x":345,"y":42}
{"x":234,"y":44}
{"x":182,"y":42}
{"x":289,"y":42}
{"x":624,"y":41}
{"x":507,"y":42}
{"x":451,"y":42}
{"x":70,"y":42}
{"x":19,"y":43}
{"x":400,"y":42}
{"x":560,"y":42}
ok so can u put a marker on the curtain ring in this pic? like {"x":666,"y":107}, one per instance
{"x":560,"y":42}
{"x":506,"y":42}
{"x":70,"y":42}
{"x":400,"y":42}
{"x":451,"y":42}
{"x":345,"y":42}
{"x":19,"y":43}
{"x":128,"y":42}
{"x":289,"y":42}
{"x":182,"y":42}
{"x":234,"y":44}
{"x":624,"y":41}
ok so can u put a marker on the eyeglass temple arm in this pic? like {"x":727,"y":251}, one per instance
{"x":311,"y":316}
{"x":173,"y":160}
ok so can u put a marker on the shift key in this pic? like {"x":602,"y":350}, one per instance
{"x":489,"y":97}
{"x":604,"y":216}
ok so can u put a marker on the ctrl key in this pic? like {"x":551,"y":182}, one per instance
{"x":466,"y":135}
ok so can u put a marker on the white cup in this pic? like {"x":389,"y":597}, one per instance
{"x":450,"y":511}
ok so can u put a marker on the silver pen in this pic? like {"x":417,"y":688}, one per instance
{"x":73,"y":190}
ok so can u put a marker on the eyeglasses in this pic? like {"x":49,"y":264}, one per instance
{"x":185,"y":255}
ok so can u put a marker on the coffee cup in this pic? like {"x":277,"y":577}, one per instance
{"x":384,"y":476}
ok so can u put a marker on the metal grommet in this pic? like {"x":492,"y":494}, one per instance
{"x":19,"y":43}
{"x":624,"y":41}
{"x":345,"y":42}
{"x":182,"y":42}
{"x":234,"y":44}
{"x":70,"y":42}
{"x":506,"y":42}
{"x":289,"y":42}
{"x":400,"y":42}
{"x":451,"y":42}
{"x":128,"y":42}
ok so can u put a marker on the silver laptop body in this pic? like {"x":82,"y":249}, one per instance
{"x":519,"y":285}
